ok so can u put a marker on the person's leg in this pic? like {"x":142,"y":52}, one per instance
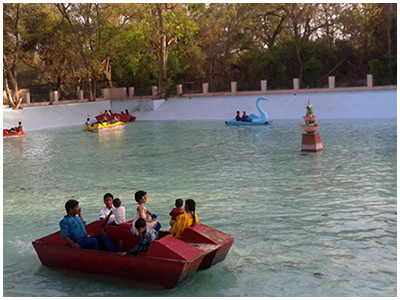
{"x":88,"y":243}
{"x":105,"y":241}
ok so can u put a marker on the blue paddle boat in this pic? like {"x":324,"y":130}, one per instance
{"x":253,"y":120}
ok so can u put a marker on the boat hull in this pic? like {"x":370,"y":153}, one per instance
{"x":122,"y":117}
{"x":168,"y":263}
{"x":104,"y":126}
{"x":154,"y":272}
{"x":215,"y":243}
{"x":7,"y":134}
{"x":240,"y":123}
{"x":125,"y":118}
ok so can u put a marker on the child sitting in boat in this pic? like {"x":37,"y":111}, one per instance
{"x":147,"y":235}
{"x":186,"y":220}
{"x":119,"y":213}
{"x":105,"y":214}
{"x":142,"y":212}
{"x":176,"y":211}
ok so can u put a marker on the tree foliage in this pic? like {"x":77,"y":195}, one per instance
{"x":89,"y":46}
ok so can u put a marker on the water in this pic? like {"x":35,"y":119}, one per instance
{"x":305,"y":224}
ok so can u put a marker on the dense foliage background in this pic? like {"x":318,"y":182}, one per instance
{"x":89,"y":46}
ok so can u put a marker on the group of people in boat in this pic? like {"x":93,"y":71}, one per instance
{"x":144,"y":224}
{"x":109,"y":113}
{"x":15,"y":129}
{"x":114,"y":119}
{"x":243,"y":118}
{"x":106,"y":118}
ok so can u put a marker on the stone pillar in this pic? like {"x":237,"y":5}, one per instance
{"x":179,"y":89}
{"x":55,"y":95}
{"x":105,"y":94}
{"x":27,"y":97}
{"x":296,"y":84}
{"x":131,"y":91}
{"x":154,"y":90}
{"x":331,"y":82}
{"x":80,"y":94}
{"x":263,"y":85}
{"x":233,"y":86}
{"x":370,"y":81}
{"x":205,"y":88}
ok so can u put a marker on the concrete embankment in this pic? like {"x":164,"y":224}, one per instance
{"x":336,"y":105}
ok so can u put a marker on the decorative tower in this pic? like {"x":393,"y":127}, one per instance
{"x":311,"y":141}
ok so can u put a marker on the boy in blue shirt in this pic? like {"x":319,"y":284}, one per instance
{"x":147,"y":235}
{"x":74,"y":233}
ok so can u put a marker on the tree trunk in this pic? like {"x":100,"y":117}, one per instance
{"x":107,"y":72}
{"x":163,"y":54}
{"x":10,"y":77}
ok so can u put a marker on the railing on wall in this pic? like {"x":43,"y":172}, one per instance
{"x":204,"y":90}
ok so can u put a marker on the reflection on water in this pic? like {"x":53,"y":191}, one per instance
{"x":305,"y":224}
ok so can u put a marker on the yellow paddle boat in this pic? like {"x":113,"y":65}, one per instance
{"x":104,"y":126}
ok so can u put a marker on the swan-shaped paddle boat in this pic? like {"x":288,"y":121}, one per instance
{"x":254,"y":120}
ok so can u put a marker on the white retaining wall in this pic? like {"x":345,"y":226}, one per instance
{"x":337,"y":105}
{"x":344,"y":105}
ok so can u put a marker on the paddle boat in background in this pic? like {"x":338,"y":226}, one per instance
{"x":168,"y":263}
{"x":122,"y":117}
{"x":253,"y":120}
{"x":6,"y":132}
{"x":102,"y":126}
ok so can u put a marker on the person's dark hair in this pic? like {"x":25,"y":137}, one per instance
{"x":139,"y":195}
{"x":117,"y":202}
{"x":178,"y":202}
{"x":140,"y":223}
{"x":70,"y":204}
{"x":191,"y":204}
{"x":108,"y":195}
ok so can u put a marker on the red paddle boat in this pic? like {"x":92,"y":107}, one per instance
{"x":168,"y":263}
{"x":6,"y":132}
{"x":122,"y":117}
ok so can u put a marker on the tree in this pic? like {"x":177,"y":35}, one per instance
{"x":303,"y":24}
{"x":94,"y":28}
{"x":139,"y":44}
{"x":12,"y":39}
{"x":265,"y":23}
